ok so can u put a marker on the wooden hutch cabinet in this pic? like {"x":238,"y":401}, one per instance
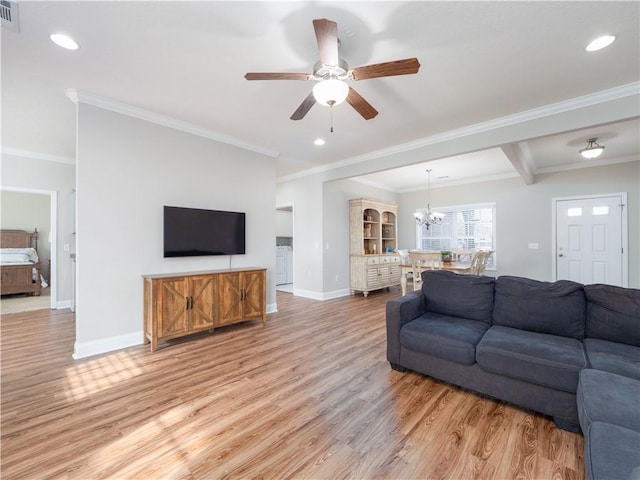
{"x":180,"y":304}
{"x":375,"y":263}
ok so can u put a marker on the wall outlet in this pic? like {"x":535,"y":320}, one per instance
{"x":66,"y":247}
{"x":533,"y":246}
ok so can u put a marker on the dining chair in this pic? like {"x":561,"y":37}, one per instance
{"x":478,"y":263}
{"x":421,"y":260}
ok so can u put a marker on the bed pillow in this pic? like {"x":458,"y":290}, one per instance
{"x":18,"y":255}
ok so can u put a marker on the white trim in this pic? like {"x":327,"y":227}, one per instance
{"x":615,"y":93}
{"x":16,"y":152}
{"x":77,"y":96}
{"x":322,"y":296}
{"x":344,"y":292}
{"x":53,"y":225}
{"x":307,"y":294}
{"x":96,"y":347}
{"x":624,"y":233}
{"x":272,"y":308}
{"x":63,"y":304}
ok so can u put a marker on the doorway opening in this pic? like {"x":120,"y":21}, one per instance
{"x":284,"y":249}
{"x":35,"y":207}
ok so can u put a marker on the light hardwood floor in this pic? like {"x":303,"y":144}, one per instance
{"x":308,"y":396}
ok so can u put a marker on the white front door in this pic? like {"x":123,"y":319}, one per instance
{"x":589,"y":240}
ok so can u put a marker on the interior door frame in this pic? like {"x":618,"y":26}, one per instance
{"x":624,"y":233}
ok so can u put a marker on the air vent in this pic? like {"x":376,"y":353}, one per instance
{"x":9,"y":14}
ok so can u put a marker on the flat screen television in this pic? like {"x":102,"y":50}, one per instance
{"x":192,"y":232}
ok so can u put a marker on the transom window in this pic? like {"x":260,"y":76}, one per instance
{"x":464,"y":227}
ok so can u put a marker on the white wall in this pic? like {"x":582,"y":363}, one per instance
{"x":336,"y":230}
{"x":524,"y":213}
{"x":305,"y":194}
{"x":321,"y":231}
{"x":284,"y":223}
{"x":127,"y":170}
{"x":24,"y":173}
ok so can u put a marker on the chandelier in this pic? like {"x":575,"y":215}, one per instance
{"x":427,"y":217}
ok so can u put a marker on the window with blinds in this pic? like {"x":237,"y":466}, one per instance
{"x":463,"y":227}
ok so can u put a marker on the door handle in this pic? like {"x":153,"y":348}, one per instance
{"x":561,"y":254}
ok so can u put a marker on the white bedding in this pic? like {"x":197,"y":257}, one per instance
{"x":18,"y":256}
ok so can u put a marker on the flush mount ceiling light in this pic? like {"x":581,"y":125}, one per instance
{"x":318,"y":141}
{"x":592,"y":150}
{"x":330,"y":92}
{"x":600,"y":43}
{"x":64,"y":41}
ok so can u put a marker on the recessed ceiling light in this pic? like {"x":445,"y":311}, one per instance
{"x":600,"y":42}
{"x":64,"y":41}
{"x":318,"y":141}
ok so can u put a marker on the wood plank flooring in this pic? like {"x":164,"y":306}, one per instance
{"x":308,"y":396}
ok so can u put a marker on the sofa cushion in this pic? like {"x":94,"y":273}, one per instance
{"x":464,"y":296}
{"x":608,"y":397}
{"x":556,"y":308}
{"x":611,"y":452}
{"x":613,"y":357}
{"x":449,"y":338}
{"x":613,"y":313}
{"x":539,"y":358}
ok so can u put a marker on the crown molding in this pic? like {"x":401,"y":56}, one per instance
{"x":77,"y":96}
{"x":576,"y":103}
{"x":37,"y":155}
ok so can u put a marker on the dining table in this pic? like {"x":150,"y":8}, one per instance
{"x":407,"y":268}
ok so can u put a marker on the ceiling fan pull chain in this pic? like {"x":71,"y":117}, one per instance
{"x":331,"y":110}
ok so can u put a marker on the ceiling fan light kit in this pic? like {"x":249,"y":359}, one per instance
{"x":330,"y":92}
{"x":592,"y":150}
{"x":332,"y":72}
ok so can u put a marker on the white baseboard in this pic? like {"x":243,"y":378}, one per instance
{"x":96,"y":347}
{"x":60,"y":304}
{"x":272,"y":308}
{"x":321,"y":295}
{"x":345,"y":292}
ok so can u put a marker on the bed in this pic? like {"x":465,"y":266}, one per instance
{"x":19,"y":262}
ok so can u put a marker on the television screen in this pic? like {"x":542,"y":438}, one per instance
{"x":191,"y":232}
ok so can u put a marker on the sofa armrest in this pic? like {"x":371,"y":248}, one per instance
{"x":400,"y":311}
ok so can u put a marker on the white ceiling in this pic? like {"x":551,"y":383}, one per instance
{"x":186,"y":60}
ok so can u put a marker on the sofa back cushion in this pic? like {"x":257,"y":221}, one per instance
{"x":613,"y":313}
{"x":464,"y":296}
{"x":556,"y":308}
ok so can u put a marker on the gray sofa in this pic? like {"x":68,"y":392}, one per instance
{"x":563,"y":349}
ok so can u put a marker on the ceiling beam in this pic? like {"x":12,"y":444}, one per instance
{"x":520,"y":161}
{"x":609,"y":106}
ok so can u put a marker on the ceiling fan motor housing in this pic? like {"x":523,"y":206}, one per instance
{"x":323,"y":72}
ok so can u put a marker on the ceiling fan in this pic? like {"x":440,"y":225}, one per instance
{"x":331,"y":72}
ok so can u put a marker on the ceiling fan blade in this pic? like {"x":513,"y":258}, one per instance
{"x":327,"y":37}
{"x":386,"y":69}
{"x":278,"y":76}
{"x":363,"y":107}
{"x":304,"y":107}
